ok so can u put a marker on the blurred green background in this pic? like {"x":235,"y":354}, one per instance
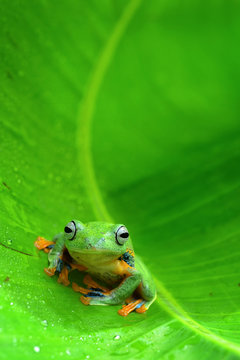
{"x":125,"y":111}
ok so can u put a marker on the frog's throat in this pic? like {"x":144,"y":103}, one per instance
{"x":93,"y":252}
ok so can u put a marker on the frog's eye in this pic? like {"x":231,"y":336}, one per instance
{"x":122,"y":235}
{"x":70,"y":230}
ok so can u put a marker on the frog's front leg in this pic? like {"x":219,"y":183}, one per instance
{"x":55,"y":255}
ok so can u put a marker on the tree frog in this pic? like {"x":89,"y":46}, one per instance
{"x":114,"y":275}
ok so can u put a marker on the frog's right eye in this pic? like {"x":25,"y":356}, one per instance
{"x":121,"y":235}
{"x":70,"y":230}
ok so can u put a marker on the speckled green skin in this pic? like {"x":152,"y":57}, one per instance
{"x":95,"y":247}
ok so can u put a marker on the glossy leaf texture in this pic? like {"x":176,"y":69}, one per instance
{"x":123,"y":111}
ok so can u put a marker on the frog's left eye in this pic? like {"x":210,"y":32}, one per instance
{"x":122,"y":235}
{"x":70,"y":230}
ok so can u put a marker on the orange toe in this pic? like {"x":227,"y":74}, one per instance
{"x":75,"y":287}
{"x":63,"y":277}
{"x":80,"y":289}
{"x":142,"y":309}
{"x":85,"y":300}
{"x":50,"y":272}
{"x":129,"y":300}
{"x":87,"y":280}
{"x":42,"y":243}
{"x":126,"y":309}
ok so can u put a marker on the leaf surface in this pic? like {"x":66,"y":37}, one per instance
{"x":121,"y":111}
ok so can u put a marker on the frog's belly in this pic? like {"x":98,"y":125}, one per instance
{"x":100,"y":267}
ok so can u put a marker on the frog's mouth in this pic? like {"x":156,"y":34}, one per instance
{"x":88,"y":248}
{"x":92,"y":251}
{"x":93,"y":258}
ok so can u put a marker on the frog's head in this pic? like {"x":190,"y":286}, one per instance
{"x":95,"y":237}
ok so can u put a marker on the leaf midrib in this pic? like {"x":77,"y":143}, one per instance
{"x":88,"y":106}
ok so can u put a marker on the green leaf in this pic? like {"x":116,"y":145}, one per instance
{"x":124,"y":111}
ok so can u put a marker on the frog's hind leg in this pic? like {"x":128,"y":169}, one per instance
{"x":141,"y":300}
{"x":93,"y":285}
{"x":148,"y":294}
{"x":88,"y":294}
{"x":93,"y":290}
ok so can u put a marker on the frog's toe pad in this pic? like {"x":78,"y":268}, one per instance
{"x":50,"y":271}
{"x":142,"y":309}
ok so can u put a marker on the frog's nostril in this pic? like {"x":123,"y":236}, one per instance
{"x":87,"y":242}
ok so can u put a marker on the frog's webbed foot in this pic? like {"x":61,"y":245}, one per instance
{"x":43,"y":244}
{"x":63,"y":269}
{"x":137,"y":305}
{"x":59,"y":266}
{"x":94,"y":291}
{"x":63,"y":276}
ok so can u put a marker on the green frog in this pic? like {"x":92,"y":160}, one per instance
{"x":114,"y":275}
